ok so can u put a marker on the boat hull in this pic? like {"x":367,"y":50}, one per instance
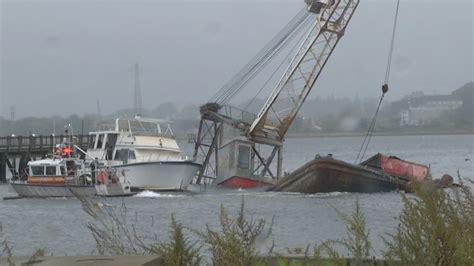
{"x":44,"y":190}
{"x":159,"y":176}
{"x":244,"y":182}
{"x":113,"y":190}
{"x":329,"y":175}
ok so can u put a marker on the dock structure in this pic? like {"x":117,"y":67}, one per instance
{"x":23,"y":149}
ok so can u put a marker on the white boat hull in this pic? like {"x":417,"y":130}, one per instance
{"x":113,"y":190}
{"x":43,"y":191}
{"x":162,"y":176}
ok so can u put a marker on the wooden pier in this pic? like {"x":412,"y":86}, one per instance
{"x":26,"y":148}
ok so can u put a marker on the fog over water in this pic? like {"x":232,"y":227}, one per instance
{"x":59,"y":57}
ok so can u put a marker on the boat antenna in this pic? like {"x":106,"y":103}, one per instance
{"x":370,"y":131}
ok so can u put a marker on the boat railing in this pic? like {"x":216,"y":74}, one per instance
{"x":141,"y":125}
{"x":40,"y":143}
{"x":154,"y":134}
{"x":106,"y":127}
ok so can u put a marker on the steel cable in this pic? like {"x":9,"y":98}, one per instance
{"x":277,"y":51}
{"x":370,"y":132}
{"x":280,"y":65}
{"x":260,"y":59}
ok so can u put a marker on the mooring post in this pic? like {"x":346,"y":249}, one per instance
{"x":3,"y":167}
{"x":19,"y":143}
{"x":31,"y":143}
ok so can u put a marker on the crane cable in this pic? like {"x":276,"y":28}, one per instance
{"x":274,"y":47}
{"x":260,"y":59}
{"x":290,"y":53}
{"x":368,"y":136}
{"x":256,"y":60}
{"x":251,"y":75}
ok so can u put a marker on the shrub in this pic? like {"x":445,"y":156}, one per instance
{"x":234,"y":243}
{"x":178,"y":250}
{"x":113,"y":234}
{"x":357,"y":242}
{"x":436,"y":228}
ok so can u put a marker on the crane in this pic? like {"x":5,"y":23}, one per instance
{"x":242,"y":157}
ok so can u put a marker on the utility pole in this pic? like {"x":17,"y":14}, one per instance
{"x":99,"y":113}
{"x":137,"y":99}
{"x":12,"y":113}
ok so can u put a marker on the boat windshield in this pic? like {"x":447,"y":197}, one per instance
{"x":50,"y":170}
{"x":37,"y":170}
{"x":143,"y":126}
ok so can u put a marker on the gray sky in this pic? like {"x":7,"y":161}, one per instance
{"x":59,"y":57}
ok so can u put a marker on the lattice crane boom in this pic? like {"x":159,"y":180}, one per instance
{"x":282,"y":106}
{"x":260,"y":138}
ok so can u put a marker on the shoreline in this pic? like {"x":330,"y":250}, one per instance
{"x":362,"y":134}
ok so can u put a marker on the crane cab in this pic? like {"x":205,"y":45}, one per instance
{"x":236,"y":159}
{"x":236,"y":165}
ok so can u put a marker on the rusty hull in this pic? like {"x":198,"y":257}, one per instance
{"x":330,"y":175}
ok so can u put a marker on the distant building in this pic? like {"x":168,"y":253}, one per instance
{"x":423,"y":109}
{"x":404,"y":117}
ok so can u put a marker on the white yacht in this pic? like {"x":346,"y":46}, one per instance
{"x":145,"y":153}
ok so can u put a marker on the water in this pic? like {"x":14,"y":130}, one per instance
{"x":59,"y":224}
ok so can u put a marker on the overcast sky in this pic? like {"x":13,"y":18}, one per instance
{"x":59,"y":57}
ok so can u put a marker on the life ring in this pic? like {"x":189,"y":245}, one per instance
{"x":102,"y":176}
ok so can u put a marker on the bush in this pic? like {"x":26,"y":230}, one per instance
{"x":436,"y":228}
{"x":234,"y":243}
{"x":111,"y":231}
{"x":357,"y":242}
{"x":179,"y":250}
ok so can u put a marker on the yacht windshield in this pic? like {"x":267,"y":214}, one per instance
{"x":139,"y":126}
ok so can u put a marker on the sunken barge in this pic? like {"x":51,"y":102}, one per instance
{"x":379,"y":173}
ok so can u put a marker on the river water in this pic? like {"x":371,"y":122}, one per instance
{"x":298,"y":220}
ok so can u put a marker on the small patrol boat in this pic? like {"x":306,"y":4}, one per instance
{"x":65,"y":174}
{"x":59,"y":175}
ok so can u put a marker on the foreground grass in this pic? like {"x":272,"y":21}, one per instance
{"x":435,"y":228}
{"x":232,"y":244}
